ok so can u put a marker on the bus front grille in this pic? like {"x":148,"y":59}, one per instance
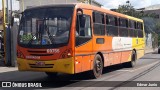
{"x":37,"y":51}
{"x":41,"y":54}
{"x":41,"y":66}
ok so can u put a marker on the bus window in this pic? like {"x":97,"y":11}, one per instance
{"x":123,"y":27}
{"x":131,"y":24}
{"x":98,"y":17}
{"x":123,"y":22}
{"x":140,"y":33}
{"x":135,"y":33}
{"x":111,"y":26}
{"x":139,"y":26}
{"x":123,"y":32}
{"x":83,"y":26}
{"x":99,"y":26}
{"x":83,"y":29}
{"x":111,"y":20}
{"x":49,"y":27}
{"x":131,"y":28}
{"x":131,"y":32}
{"x":135,"y":25}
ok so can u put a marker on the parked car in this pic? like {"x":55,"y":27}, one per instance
{"x":159,"y":50}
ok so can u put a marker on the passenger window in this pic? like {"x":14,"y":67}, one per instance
{"x":140,"y":33}
{"x":99,"y":23}
{"x":131,"y":24}
{"x":139,"y":26}
{"x":111,"y":20}
{"x":135,"y":25}
{"x":123,"y":22}
{"x":111,"y":25}
{"x":98,"y":17}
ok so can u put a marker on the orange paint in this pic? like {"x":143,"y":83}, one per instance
{"x":83,"y":55}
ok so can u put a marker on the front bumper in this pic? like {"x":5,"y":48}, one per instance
{"x":60,"y":65}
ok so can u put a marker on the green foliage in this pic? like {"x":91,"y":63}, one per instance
{"x":158,"y":26}
{"x":128,"y":9}
{"x":158,"y":39}
{"x":83,"y":1}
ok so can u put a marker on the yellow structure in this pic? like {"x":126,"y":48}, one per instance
{"x":1,"y":20}
{"x":4,"y":25}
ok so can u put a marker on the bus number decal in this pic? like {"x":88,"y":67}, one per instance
{"x":53,"y":50}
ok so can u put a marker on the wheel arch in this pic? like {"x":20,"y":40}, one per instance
{"x":101,"y":54}
{"x":135,"y":53}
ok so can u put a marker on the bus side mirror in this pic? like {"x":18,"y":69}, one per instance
{"x":81,"y":17}
{"x":79,"y":11}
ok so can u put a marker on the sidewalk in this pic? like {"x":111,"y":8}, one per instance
{"x":150,"y":50}
{"x":3,"y":68}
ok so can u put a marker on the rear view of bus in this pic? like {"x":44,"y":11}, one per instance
{"x":45,"y":40}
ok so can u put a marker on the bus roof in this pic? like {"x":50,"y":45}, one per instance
{"x":91,"y":7}
{"x":87,"y":6}
{"x":52,"y":5}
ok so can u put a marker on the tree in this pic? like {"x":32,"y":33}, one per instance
{"x":158,"y":31}
{"x":85,"y":1}
{"x":127,"y":9}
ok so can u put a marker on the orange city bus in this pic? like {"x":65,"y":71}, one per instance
{"x":74,"y":38}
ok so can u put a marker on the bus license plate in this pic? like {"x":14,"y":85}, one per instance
{"x":40,"y":63}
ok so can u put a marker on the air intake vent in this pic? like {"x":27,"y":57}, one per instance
{"x":36,"y":51}
{"x":41,"y":54}
{"x":45,"y":66}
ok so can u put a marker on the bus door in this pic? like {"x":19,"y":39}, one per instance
{"x":83,"y":41}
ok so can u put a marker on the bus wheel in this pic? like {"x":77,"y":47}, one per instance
{"x":97,"y":67}
{"x":132,"y":63}
{"x":51,"y":74}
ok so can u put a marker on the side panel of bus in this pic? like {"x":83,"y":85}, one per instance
{"x":84,"y":45}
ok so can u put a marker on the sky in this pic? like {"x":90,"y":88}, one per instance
{"x":110,"y":4}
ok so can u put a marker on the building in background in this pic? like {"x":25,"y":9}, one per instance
{"x":150,"y":24}
{"x":153,"y":9}
{"x":24,"y":4}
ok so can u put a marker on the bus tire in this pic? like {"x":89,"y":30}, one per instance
{"x":51,"y":74}
{"x":132,"y":63}
{"x":97,"y":67}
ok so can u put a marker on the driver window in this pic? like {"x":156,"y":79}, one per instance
{"x":83,"y":27}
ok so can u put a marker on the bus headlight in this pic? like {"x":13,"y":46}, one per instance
{"x":66,"y":54}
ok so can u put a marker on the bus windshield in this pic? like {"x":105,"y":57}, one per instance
{"x":45,"y":26}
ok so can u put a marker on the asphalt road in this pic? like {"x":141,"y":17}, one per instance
{"x":147,"y":69}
